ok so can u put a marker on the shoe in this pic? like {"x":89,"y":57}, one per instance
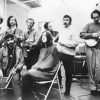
{"x":66,"y":93}
{"x":94,"y":92}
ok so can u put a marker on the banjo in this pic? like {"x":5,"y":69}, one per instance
{"x":92,"y":42}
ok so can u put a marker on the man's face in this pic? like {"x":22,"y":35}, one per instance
{"x":12,"y":21}
{"x":96,"y":17}
{"x":10,"y":42}
{"x":66,"y":21}
{"x":30,"y":24}
{"x":50,"y":27}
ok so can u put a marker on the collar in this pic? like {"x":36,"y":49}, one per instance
{"x":30,"y":30}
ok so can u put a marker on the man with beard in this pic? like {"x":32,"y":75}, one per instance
{"x":10,"y":55}
{"x":31,"y":35}
{"x":13,"y":29}
{"x":44,"y":69}
{"x":30,"y":39}
{"x":92,"y":31}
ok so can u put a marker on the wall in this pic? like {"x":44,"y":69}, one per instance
{"x":20,"y":13}
{"x":54,"y":10}
{"x":2,"y":14}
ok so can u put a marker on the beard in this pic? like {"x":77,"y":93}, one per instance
{"x":11,"y":45}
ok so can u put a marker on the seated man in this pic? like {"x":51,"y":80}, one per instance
{"x":44,"y":69}
{"x":11,"y":55}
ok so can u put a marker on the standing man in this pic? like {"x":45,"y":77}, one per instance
{"x":66,"y":47}
{"x":11,"y":55}
{"x":92,"y":31}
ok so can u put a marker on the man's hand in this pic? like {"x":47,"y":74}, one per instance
{"x":96,"y":35}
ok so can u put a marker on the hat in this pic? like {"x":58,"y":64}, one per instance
{"x":9,"y":36}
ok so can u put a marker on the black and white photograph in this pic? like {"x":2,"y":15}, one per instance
{"x":49,"y":49}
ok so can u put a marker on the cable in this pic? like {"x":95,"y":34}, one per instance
{"x":82,"y":96}
{"x":85,"y":88}
{"x":83,"y":83}
{"x":70,"y":96}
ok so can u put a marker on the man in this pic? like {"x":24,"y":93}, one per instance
{"x":11,"y":55}
{"x":31,"y":36}
{"x":30,"y":39}
{"x":44,"y":69}
{"x":13,"y":29}
{"x":48,"y":27}
{"x":92,"y":31}
{"x":66,"y":47}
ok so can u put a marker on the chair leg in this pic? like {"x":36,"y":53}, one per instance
{"x":59,"y":87}
{"x":48,"y":91}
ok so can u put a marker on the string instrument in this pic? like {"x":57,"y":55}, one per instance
{"x":92,"y":42}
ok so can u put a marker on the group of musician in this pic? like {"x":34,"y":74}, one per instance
{"x":53,"y":46}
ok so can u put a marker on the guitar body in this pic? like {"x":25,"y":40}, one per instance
{"x":91,"y":42}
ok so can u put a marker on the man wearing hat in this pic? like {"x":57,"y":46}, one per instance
{"x":10,"y":55}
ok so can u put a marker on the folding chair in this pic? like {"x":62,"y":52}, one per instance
{"x":51,"y":83}
{"x":4,"y":89}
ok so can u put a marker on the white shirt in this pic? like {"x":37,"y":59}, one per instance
{"x":66,"y":37}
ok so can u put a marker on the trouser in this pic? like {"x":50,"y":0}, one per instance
{"x":27,"y":84}
{"x":93,"y":62}
{"x":67,"y":63}
{"x":16,"y":83}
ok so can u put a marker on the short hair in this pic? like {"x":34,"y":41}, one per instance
{"x":8,"y":21}
{"x":95,"y":11}
{"x":46,"y":25}
{"x":67,"y":16}
{"x":30,"y":19}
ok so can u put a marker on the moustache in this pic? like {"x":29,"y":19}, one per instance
{"x":65,"y":24}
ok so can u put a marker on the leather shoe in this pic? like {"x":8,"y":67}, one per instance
{"x":94,"y":92}
{"x":66,"y":93}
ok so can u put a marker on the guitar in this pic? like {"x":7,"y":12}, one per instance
{"x":92,"y":42}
